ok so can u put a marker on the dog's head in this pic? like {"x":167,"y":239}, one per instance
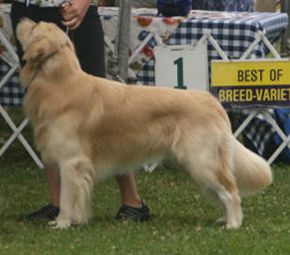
{"x":46,"y":48}
{"x":40,"y":40}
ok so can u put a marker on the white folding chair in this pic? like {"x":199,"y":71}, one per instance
{"x":13,"y":64}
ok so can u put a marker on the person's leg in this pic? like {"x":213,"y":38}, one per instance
{"x":51,"y":210}
{"x":88,"y":40}
{"x":53,"y":180}
{"x":133,"y":208}
{"x":128,"y":189}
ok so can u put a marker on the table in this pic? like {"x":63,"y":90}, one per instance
{"x":234,"y":33}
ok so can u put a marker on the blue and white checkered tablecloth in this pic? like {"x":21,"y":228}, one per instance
{"x":234,"y":32}
{"x":11,"y":94}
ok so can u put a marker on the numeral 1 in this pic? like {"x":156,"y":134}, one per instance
{"x":179,"y":63}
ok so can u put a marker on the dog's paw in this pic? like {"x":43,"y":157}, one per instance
{"x":59,"y":224}
{"x":232,"y":226}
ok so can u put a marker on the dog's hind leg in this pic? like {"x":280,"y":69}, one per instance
{"x":77,"y":178}
{"x":227,"y":189}
{"x":232,"y":208}
{"x":211,"y":170}
{"x":224,"y":187}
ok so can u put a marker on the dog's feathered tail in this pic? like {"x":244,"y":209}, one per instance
{"x":252,"y":172}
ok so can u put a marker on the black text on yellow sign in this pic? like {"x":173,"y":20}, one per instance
{"x":252,"y":82}
{"x":259,"y":95}
{"x":236,"y":73}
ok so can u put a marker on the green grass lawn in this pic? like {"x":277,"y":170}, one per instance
{"x":184,"y":221}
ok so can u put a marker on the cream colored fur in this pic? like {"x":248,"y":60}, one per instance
{"x":90,"y":128}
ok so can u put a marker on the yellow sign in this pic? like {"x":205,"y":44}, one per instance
{"x":250,"y":73}
{"x":259,"y":82}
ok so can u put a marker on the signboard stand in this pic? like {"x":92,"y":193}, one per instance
{"x":181,"y":66}
{"x":263,"y":110}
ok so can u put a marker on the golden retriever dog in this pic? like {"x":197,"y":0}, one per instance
{"x":90,"y":128}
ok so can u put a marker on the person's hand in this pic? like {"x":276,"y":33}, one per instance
{"x":73,"y":12}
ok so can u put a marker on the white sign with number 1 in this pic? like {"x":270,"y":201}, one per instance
{"x":181,"y":66}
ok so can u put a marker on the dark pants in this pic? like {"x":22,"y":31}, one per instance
{"x":88,"y":39}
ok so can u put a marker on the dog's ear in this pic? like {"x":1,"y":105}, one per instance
{"x":37,"y":51}
{"x":40,"y":49}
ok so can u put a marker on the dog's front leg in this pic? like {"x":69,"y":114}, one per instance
{"x":77,"y":177}
{"x":64,"y":219}
{"x":67,"y":189}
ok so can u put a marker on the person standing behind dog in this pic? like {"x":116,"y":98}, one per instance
{"x":81,"y":20}
{"x":265,"y":5}
{"x":224,"y":5}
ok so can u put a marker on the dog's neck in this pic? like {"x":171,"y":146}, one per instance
{"x":28,"y":73}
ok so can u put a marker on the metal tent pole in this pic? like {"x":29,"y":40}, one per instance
{"x":123,"y":39}
{"x":285,"y":7}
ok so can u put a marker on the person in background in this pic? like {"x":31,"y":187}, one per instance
{"x":265,"y":5}
{"x":223,"y":5}
{"x":80,"y":18}
{"x":239,"y":5}
{"x":144,"y":3}
{"x":135,"y":3}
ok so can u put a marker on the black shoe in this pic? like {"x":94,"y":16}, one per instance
{"x":47,"y":212}
{"x":138,"y":214}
